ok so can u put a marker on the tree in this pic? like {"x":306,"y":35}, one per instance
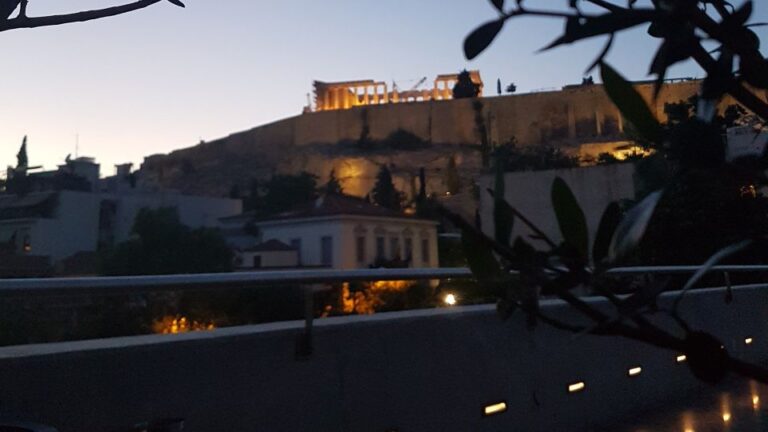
{"x":511,"y":88}
{"x":285,"y":191}
{"x":21,"y":20}
{"x":163,"y":245}
{"x":384,"y":192}
{"x":682,"y":27}
{"x":498,"y":86}
{"x":465,"y":88}
{"x":334,"y":185}
{"x":22,"y":161}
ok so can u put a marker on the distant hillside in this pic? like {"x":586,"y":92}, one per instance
{"x":407,"y":136}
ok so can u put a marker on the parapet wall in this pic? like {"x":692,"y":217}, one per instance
{"x":432,"y":370}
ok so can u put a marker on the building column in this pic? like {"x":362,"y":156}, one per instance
{"x":599,"y":122}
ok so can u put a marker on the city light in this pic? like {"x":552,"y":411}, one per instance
{"x":496,"y":408}
{"x":755,"y":401}
{"x":726,"y":417}
{"x":450,"y":299}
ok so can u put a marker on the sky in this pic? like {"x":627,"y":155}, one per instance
{"x":165,"y":78}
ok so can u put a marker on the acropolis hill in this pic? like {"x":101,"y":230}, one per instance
{"x":413,"y":132}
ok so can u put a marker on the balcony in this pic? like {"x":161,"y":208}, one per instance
{"x":457,"y":368}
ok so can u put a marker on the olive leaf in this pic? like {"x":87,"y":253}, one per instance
{"x":631,"y":104}
{"x":480,"y":258}
{"x":481,"y":38}
{"x":608,"y":223}
{"x":632,"y":228}
{"x":570,"y":217}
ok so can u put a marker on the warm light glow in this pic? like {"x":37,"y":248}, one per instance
{"x":180,"y":324}
{"x":496,"y":408}
{"x":576,"y":387}
{"x":748,"y":341}
{"x":450,"y":299}
{"x":681,"y":358}
{"x":635,"y":371}
{"x":726,"y":417}
{"x":367,"y":297}
{"x":755,"y":401}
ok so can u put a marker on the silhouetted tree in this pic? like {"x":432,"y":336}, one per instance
{"x":384,"y":192}
{"x":465,"y":87}
{"x":498,"y":86}
{"x":234,"y":192}
{"x":163,"y":245}
{"x":511,"y":88}
{"x":334,"y":185}
{"x":22,"y":161}
{"x":285,"y":191}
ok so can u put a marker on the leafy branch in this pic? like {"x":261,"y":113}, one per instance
{"x":21,"y":20}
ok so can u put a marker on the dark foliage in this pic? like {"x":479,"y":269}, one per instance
{"x":384,"y":192}
{"x":162,"y":245}
{"x":465,"y":88}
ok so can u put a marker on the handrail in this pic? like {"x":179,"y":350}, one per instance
{"x":137,"y":284}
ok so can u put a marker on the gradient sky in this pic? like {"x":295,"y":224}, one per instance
{"x":164,"y":78}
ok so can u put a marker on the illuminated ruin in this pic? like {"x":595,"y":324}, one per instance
{"x":350,"y":94}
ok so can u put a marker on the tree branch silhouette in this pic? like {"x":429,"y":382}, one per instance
{"x":23,"y":21}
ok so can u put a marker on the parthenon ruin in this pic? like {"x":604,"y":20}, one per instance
{"x":349,"y":94}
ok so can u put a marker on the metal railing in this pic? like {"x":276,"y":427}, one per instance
{"x":310,"y":280}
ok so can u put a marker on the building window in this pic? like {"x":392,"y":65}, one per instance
{"x":408,"y":249}
{"x":257,"y":261}
{"x":296,"y":245}
{"x":425,"y":252}
{"x":27,"y":244}
{"x":360,"y":247}
{"x":326,"y":251}
{"x":394,"y":247}
{"x":380,"y":254}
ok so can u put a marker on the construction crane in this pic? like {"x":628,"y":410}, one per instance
{"x":418,"y":84}
{"x":396,"y":88}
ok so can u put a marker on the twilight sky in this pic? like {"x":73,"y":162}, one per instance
{"x":164,"y":78}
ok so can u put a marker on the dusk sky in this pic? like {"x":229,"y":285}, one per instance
{"x":164,"y":78}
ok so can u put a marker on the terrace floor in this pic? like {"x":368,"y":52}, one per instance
{"x":736,"y":406}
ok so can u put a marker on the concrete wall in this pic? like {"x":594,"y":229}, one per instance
{"x":424,"y":371}
{"x":530,"y":193}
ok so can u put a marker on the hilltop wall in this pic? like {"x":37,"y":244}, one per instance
{"x":320,"y":141}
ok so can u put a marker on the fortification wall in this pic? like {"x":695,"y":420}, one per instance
{"x":320,"y":141}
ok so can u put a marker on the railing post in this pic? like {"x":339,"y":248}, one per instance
{"x":304,"y":339}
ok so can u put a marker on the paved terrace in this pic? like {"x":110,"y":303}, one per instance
{"x":454,"y":369}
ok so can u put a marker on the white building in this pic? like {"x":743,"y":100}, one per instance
{"x":343,"y":232}
{"x":53,"y":222}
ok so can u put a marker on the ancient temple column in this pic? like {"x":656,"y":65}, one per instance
{"x":386,"y":93}
{"x":599,"y":122}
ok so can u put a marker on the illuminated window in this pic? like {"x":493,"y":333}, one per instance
{"x":326,"y":251}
